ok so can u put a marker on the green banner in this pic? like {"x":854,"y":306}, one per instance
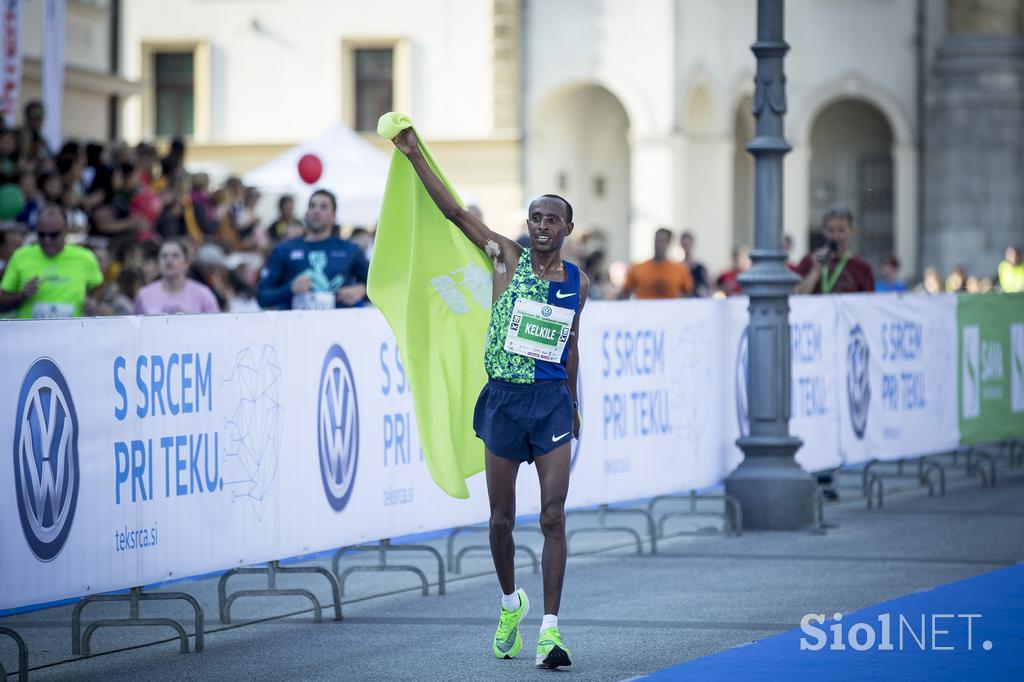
{"x":540,"y":331}
{"x":991,"y":362}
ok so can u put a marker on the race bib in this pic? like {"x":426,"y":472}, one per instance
{"x":313,"y":300}
{"x":538,"y":330}
{"x":44,"y":311}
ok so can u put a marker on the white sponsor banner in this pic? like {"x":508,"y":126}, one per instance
{"x":650,"y":401}
{"x":897,"y":376}
{"x":10,"y":64}
{"x":815,"y":400}
{"x":163,"y":447}
{"x":53,"y":70}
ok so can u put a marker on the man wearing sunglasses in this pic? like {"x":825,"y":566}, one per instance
{"x":50,"y":278}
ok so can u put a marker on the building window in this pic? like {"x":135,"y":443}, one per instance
{"x":175,"y":93}
{"x":374,"y":86}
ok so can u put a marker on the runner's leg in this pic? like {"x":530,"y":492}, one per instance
{"x":501,"y":491}
{"x":553,"y":472}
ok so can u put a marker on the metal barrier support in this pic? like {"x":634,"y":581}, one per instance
{"x":455,"y":560}
{"x":930,"y":472}
{"x":732,"y":516}
{"x":383,"y":548}
{"x":977,"y":461}
{"x":22,"y":655}
{"x":271,"y":570}
{"x":602,"y":512}
{"x":872,"y":485}
{"x":80,"y":642}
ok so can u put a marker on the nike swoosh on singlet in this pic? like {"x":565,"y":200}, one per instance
{"x":559,"y":294}
{"x":555,"y":439}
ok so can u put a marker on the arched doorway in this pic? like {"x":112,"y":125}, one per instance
{"x":578,"y":146}
{"x":851,"y":164}
{"x":743,"y":176}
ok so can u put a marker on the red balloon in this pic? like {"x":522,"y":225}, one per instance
{"x":310,"y":168}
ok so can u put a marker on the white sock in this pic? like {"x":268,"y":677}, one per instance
{"x":550,"y":621}
{"x":510,"y":602}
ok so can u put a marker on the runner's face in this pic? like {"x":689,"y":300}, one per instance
{"x":546,"y":223}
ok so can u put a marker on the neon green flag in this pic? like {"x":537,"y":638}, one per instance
{"x":434,"y":288}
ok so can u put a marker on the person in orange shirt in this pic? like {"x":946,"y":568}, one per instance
{"x":658,"y":277}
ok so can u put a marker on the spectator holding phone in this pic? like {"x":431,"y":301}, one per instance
{"x":834,"y":268}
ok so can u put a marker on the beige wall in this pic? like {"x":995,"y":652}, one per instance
{"x":87,"y":82}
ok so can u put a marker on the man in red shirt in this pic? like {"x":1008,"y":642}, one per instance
{"x":834,"y":269}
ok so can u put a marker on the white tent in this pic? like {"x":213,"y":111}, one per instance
{"x":353,"y":169}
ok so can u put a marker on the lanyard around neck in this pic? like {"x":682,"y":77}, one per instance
{"x":827,"y":283}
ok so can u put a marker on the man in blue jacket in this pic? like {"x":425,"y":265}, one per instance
{"x":315,"y":272}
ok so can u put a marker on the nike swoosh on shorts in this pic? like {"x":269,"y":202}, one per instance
{"x":555,"y":439}
{"x":558,"y":294}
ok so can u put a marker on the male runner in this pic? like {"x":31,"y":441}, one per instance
{"x":528,"y":411}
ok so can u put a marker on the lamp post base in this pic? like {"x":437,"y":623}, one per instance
{"x":774,"y":492}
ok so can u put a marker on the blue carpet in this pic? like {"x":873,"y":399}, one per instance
{"x":997,"y":596}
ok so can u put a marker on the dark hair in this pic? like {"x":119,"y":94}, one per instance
{"x":591,"y":261}
{"x":568,"y":206}
{"x":358,"y":231}
{"x":185,"y":251}
{"x":43,"y":178}
{"x":55,"y":209}
{"x":838,"y":211}
{"x":330,"y":197}
{"x":284,"y":198}
{"x":663,"y":230}
{"x":891,"y":260}
{"x":34,"y":105}
{"x":93,"y":154}
{"x":130,"y":281}
{"x":70,"y":148}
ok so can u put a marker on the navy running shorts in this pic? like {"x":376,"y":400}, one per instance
{"x":523,"y":421}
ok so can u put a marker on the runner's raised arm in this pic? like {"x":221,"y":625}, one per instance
{"x":499,"y":249}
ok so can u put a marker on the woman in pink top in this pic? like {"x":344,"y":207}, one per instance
{"x":174,"y":292}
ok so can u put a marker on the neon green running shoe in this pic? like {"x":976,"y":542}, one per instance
{"x":507,"y":641}
{"x":551,"y":653}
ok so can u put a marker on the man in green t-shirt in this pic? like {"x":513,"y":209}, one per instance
{"x":51,"y":278}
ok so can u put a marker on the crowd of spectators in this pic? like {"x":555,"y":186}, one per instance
{"x":831,"y":267}
{"x":115,"y":229}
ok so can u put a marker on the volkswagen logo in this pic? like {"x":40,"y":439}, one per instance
{"x":337,"y":427}
{"x":742,"y":414}
{"x":858,"y":385}
{"x":546,"y":311}
{"x":46,"y":459}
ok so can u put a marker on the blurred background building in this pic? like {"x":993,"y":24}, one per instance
{"x":909,"y":111}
